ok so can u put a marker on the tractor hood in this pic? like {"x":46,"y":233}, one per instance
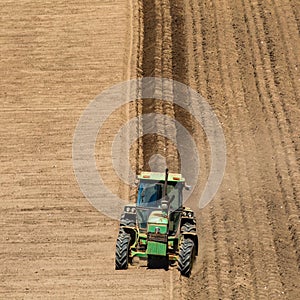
{"x":157,"y":223}
{"x":157,"y":217}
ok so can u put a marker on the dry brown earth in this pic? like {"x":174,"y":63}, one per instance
{"x":242,"y":56}
{"x":55,"y":58}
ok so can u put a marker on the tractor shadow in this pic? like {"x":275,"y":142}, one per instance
{"x":153,"y":264}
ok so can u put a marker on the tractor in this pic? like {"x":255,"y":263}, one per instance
{"x":158,"y":228}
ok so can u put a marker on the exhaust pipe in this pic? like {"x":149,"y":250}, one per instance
{"x":166,"y":183}
{"x":165,"y":200}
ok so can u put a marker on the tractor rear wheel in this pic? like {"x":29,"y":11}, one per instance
{"x":186,"y":257}
{"x":187,"y":227}
{"x":122,"y":251}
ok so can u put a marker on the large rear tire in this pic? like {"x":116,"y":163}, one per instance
{"x":186,"y":257}
{"x":187,"y":227}
{"x":122,"y":251}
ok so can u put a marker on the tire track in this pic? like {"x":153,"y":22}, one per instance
{"x":249,"y":210}
{"x":184,"y":16}
{"x":215,"y":247}
{"x":182,"y":73}
{"x":235,"y":56}
{"x":216,"y":256}
{"x":280,"y":55}
{"x":163,"y":37}
{"x":218,"y":250}
{"x":286,"y":173}
{"x":239,"y":234}
{"x":295,"y":10}
{"x":235,"y":257}
{"x":137,"y":155}
{"x":157,"y":62}
{"x":274,"y":212}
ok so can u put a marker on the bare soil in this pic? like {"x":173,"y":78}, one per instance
{"x":242,"y":56}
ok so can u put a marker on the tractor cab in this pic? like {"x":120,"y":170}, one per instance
{"x":156,"y":194}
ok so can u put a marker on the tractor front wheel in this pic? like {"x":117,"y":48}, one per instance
{"x":122,"y":251}
{"x":186,"y":257}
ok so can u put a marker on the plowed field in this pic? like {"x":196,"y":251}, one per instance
{"x":241,"y":56}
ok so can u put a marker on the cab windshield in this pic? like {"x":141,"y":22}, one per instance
{"x":150,"y":194}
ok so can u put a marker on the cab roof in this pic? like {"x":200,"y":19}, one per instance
{"x":161,"y":176}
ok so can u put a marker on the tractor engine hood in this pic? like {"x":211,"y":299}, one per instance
{"x":157,"y":234}
{"x":158,"y":222}
{"x":158,"y":217}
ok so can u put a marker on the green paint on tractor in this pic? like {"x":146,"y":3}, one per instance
{"x":157,"y":217}
{"x":156,"y":248}
{"x":158,"y":227}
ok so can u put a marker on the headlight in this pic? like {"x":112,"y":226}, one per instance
{"x":190,"y":214}
{"x":130,"y":209}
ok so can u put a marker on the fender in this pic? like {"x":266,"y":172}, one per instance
{"x":133,"y":234}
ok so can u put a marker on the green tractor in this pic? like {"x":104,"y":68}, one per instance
{"x":158,"y":227}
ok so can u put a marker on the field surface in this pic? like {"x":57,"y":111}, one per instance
{"x":57,"y":56}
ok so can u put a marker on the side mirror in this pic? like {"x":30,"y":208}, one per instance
{"x":187,"y":187}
